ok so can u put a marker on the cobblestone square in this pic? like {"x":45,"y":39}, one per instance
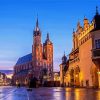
{"x":52,"y":93}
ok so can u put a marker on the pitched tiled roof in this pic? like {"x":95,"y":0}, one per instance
{"x":24,"y":59}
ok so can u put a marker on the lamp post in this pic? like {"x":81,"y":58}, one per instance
{"x":63,"y":74}
{"x":99,"y":77}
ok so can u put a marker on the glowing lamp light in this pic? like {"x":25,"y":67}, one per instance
{"x":76,"y":75}
{"x":98,"y":72}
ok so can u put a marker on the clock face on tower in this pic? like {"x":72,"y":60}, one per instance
{"x":44,"y":50}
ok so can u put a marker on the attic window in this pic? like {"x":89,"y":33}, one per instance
{"x":97,"y":43}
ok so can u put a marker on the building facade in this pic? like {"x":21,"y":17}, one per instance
{"x":56,"y":76}
{"x":39,"y":63}
{"x":84,"y":59}
{"x":3,"y":79}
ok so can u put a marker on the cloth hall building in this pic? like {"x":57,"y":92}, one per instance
{"x":37,"y":62}
{"x":84,"y":59}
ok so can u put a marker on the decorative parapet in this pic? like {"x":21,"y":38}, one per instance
{"x":85,"y":32}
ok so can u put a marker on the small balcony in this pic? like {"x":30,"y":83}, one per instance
{"x":96,"y":54}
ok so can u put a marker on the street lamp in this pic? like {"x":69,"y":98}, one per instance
{"x":76,"y":75}
{"x":99,"y":77}
{"x":98,"y":72}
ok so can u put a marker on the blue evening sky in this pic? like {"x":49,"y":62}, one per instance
{"x":58,"y":17}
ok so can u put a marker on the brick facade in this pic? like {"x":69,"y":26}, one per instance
{"x":39,"y":60}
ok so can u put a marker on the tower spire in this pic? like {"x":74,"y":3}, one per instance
{"x":85,"y":17}
{"x":78,"y":24}
{"x":37,"y":29}
{"x":97,"y":10}
{"x":47,"y":36}
{"x":73,"y":31}
{"x":37,"y":23}
{"x":64,"y":53}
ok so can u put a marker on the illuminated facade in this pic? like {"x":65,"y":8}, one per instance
{"x":3,"y":79}
{"x":84,"y":59}
{"x":56,"y":76}
{"x":39,"y":62}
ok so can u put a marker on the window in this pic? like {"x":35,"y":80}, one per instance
{"x":40,"y":63}
{"x":37,"y":63}
{"x":44,"y":50}
{"x":49,"y":56}
{"x":50,"y":65}
{"x":49,"y":49}
{"x":97,"y":44}
{"x":44,"y":64}
{"x":49,"y":59}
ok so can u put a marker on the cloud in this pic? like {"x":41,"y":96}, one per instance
{"x":6,"y":64}
{"x":6,"y":68}
{"x":5,"y":61}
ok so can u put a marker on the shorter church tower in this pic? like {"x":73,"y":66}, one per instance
{"x":42,"y":55}
{"x":48,"y":53}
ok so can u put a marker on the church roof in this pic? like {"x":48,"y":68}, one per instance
{"x":24,"y":59}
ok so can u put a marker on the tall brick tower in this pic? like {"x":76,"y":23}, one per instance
{"x":37,"y":48}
